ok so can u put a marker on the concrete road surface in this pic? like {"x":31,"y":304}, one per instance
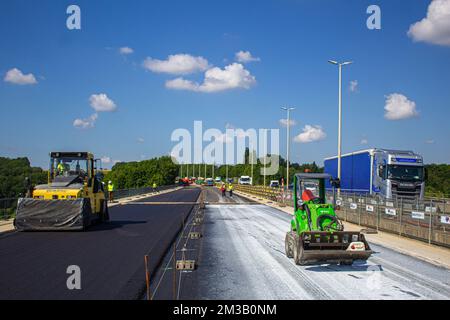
{"x":243,"y":258}
{"x":111,"y":256}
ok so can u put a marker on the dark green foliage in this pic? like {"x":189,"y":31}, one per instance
{"x":438,"y":180}
{"x":13,"y":173}
{"x":129,"y":175}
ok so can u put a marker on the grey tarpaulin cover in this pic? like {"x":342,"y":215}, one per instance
{"x":52,"y":214}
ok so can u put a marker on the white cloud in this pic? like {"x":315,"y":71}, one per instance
{"x":106,"y":160}
{"x":126,"y":50}
{"x":17,"y":77}
{"x":311,"y":134}
{"x":140,"y":140}
{"x":101,"y":103}
{"x":182,"y":84}
{"x":245,"y":56}
{"x":399,"y":107}
{"x":85,"y":123}
{"x":177,"y":64}
{"x":231,"y":77}
{"x":354,"y":85}
{"x":364,"y":141}
{"x":284,"y":122}
{"x":435,"y":28}
{"x":430,"y":141}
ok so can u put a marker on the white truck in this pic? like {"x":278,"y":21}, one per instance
{"x":245,"y":180}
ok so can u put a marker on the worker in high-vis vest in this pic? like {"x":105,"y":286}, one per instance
{"x":60,"y":168}
{"x":230,"y":189}
{"x":110,"y":191}
{"x":154,"y":186}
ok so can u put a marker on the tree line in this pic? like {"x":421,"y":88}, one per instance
{"x":129,"y":175}
{"x":163,"y":171}
{"x":13,"y":173}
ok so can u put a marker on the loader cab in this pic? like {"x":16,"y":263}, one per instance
{"x":311,"y":187}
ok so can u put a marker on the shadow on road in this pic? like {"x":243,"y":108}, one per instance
{"x":356,"y":267}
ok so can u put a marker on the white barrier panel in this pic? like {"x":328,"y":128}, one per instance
{"x":418,"y":215}
{"x":391,"y":211}
{"x":445,"y":219}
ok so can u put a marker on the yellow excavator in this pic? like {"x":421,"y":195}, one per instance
{"x":73,"y":199}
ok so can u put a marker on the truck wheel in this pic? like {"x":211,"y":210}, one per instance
{"x":288,"y":244}
{"x":347,"y":262}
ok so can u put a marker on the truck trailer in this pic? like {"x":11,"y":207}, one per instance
{"x":388,"y":173}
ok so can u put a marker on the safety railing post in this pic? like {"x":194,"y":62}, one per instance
{"x":359,"y":211}
{"x":400,"y":217}
{"x":378,"y":214}
{"x":430,"y":222}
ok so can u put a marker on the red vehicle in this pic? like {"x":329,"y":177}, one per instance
{"x":184,"y":182}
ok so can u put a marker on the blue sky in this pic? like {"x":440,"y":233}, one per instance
{"x":291,"y":39}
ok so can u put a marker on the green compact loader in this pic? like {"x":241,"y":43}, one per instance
{"x":317,"y":235}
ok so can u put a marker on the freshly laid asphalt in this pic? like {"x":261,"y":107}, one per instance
{"x":33,"y":265}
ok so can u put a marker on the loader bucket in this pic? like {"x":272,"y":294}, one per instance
{"x":46,"y":215}
{"x":332,"y":247}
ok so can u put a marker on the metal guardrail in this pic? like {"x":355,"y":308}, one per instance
{"x":125,"y":193}
{"x":426,"y":220}
{"x":7,"y":208}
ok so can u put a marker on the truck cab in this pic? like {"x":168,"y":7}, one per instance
{"x":398,"y":174}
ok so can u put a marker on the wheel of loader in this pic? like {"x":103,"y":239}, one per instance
{"x":298,"y":251}
{"x":288,"y":244}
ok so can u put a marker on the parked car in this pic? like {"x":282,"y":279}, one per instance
{"x":274,"y":184}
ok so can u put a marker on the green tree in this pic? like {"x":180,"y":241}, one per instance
{"x":13,"y":173}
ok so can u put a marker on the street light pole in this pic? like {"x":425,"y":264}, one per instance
{"x":251,"y":166}
{"x":340,"y":65}
{"x":288,"y":124}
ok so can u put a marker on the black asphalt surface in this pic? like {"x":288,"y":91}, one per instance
{"x":111,"y":256}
